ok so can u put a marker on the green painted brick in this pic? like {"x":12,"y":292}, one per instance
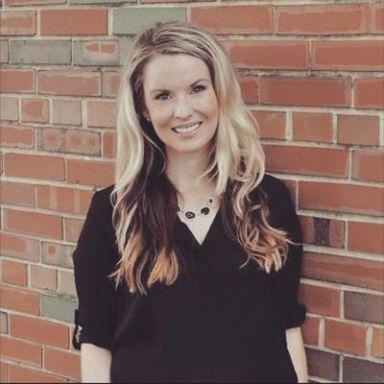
{"x":100,"y":1}
{"x":59,"y":308}
{"x":40,"y":51}
{"x":133,"y":20}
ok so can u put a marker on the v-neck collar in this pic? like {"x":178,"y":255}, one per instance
{"x":188,"y":233}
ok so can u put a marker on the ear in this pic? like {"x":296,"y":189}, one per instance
{"x":146,"y":115}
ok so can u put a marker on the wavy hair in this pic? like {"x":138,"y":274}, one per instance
{"x":144,"y":200}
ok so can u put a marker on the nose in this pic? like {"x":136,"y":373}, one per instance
{"x":183,"y":109}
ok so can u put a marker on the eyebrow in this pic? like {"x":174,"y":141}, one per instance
{"x":192,"y":85}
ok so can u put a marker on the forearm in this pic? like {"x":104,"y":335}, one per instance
{"x":297,"y":352}
{"x":95,"y":364}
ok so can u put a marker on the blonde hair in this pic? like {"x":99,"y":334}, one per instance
{"x":144,"y":200}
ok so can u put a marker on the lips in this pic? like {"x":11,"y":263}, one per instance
{"x":186,"y":129}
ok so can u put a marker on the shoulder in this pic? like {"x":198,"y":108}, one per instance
{"x":282,"y":212}
{"x":101,"y":201}
{"x":272,"y":186}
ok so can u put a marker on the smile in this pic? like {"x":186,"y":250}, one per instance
{"x":187,"y":128}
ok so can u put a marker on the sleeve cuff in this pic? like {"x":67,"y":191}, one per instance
{"x":295,"y":316}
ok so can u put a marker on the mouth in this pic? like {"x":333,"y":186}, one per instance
{"x":187,"y":129}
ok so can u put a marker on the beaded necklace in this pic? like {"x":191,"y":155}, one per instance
{"x":203,"y":212}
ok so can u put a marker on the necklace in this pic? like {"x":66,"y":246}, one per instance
{"x":203,"y":212}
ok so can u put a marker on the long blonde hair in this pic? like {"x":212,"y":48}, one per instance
{"x":145,"y":201}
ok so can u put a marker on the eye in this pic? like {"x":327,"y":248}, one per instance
{"x":162,"y":96}
{"x":198,"y":88}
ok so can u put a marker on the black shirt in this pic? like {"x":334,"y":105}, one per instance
{"x":217,"y":323}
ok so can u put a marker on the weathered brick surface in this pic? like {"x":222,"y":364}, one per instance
{"x":323,"y":364}
{"x":358,"y":371}
{"x":364,"y":307}
{"x":40,"y":51}
{"x":131,"y":21}
{"x":310,"y":73}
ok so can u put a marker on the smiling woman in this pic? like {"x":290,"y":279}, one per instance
{"x":187,"y":268}
{"x":181,"y":103}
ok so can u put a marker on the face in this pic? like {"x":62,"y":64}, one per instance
{"x":181,"y":102}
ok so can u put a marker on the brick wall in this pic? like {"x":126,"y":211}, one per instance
{"x":310,"y":71}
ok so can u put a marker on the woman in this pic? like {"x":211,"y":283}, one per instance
{"x":187,"y":269}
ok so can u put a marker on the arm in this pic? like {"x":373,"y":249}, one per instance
{"x":296,"y":350}
{"x":95,"y":364}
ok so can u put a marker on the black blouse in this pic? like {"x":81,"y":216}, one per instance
{"x":217,"y":323}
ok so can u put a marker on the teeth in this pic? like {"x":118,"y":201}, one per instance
{"x":191,"y":128}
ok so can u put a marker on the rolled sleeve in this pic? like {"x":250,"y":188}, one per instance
{"x":94,"y":259}
{"x":283,"y":216}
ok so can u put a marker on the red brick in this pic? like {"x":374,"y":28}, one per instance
{"x":366,"y":237}
{"x":42,"y":331}
{"x":345,"y":337}
{"x":306,"y":160}
{"x":310,"y":330}
{"x":101,"y":114}
{"x":43,"y":278}
{"x":17,"y":80}
{"x":322,"y":19}
{"x":62,"y":362}
{"x":70,"y":83}
{"x":111,"y":82}
{"x":368,"y":165}
{"x":51,"y":139}
{"x":361,"y":55}
{"x":15,"y":3}
{"x":66,"y":112}
{"x":20,"y":350}
{"x":109,"y":145}
{"x":359,"y":130}
{"x":20,"y":300}
{"x":82,"y":142}
{"x":19,"y":246}
{"x":305,"y":91}
{"x":378,"y":343}
{"x":72,"y":228}
{"x":310,"y":126}
{"x":14,"y":273}
{"x":369,"y":93}
{"x":341,"y":197}
{"x":17,"y":194}
{"x":90,"y":172}
{"x":34,"y":110}
{"x":4,"y":373}
{"x":68,"y":200}
{"x":320,"y":300}
{"x":234,"y":19}
{"x":19,"y":374}
{"x":50,"y":226}
{"x":17,"y":136}
{"x":17,"y":23}
{"x":34,"y":166}
{"x":271,"y":124}
{"x":378,"y":18}
{"x":345,"y":270}
{"x":249,"y":86}
{"x":268,"y":54}
{"x":4,"y":52}
{"x":74,"y":22}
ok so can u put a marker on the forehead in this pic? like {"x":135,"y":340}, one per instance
{"x":173,"y":71}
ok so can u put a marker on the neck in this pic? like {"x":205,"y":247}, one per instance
{"x":184,"y":171}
